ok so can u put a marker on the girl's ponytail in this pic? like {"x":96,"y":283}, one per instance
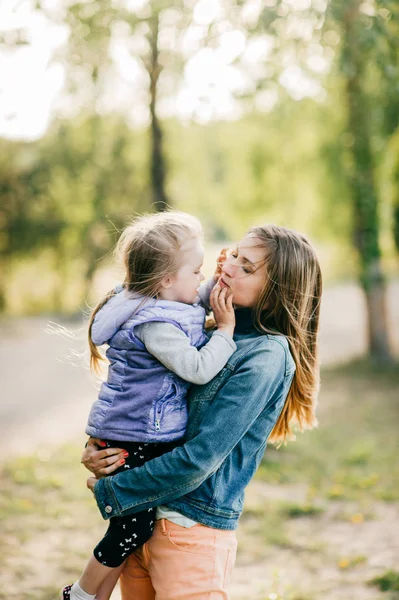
{"x":95,"y":354}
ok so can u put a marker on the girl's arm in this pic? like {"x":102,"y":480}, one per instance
{"x":171,"y":346}
{"x":253,"y":388}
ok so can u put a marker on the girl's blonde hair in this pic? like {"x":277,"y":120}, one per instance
{"x":149,"y":250}
{"x":289,"y":304}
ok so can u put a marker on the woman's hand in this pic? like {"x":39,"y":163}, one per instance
{"x":102,"y":462}
{"x":221,"y":300}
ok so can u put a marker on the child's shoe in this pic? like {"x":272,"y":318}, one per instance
{"x":66,"y":593}
{"x":76,"y":592}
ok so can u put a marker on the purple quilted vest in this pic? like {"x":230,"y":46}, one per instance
{"x":141,"y":400}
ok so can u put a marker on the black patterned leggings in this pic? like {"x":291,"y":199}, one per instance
{"x":126,"y":534}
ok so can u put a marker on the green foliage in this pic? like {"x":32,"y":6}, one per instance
{"x":295,"y":511}
{"x":388,"y":581}
{"x":68,"y":192}
{"x":242,"y":168}
{"x":76,"y":188}
{"x":303,"y":164}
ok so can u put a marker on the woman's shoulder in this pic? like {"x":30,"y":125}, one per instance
{"x":273,"y":350}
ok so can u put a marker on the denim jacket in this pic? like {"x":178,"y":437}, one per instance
{"x":230,"y":419}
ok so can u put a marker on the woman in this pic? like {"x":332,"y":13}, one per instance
{"x":269,"y":383}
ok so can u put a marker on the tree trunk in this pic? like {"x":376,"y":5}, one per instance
{"x":158,"y":167}
{"x":377,"y":319}
{"x":365,"y":209}
{"x":4,"y":280}
{"x":396,"y":208}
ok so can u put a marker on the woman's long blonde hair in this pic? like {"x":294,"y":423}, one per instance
{"x":149,"y":251}
{"x":289,"y":304}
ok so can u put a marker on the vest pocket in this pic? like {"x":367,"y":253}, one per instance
{"x":169,"y":412}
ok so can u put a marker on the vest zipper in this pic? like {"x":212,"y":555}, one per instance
{"x":158,"y":415}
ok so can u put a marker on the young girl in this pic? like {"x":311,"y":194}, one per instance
{"x":154,"y":328}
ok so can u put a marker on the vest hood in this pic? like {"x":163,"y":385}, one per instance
{"x":122,"y":307}
{"x":115,"y":313}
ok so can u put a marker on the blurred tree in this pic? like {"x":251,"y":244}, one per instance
{"x":66,"y":193}
{"x":158,"y":166}
{"x":390,"y":175}
{"x":366,"y":222}
{"x":92,"y":27}
{"x":354,"y":33}
{"x":360,"y":29}
{"x":97,"y":187}
{"x":387,"y":97}
{"x":92,"y":165}
{"x":28,"y":220}
{"x":152,"y":34}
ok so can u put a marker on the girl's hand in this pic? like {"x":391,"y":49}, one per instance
{"x":221,"y":300}
{"x":102,"y":462}
{"x":91,"y":482}
{"x":219,"y":263}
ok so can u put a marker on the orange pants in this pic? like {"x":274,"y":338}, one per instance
{"x":179,"y":563}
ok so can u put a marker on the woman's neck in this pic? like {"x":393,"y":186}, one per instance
{"x":244,"y":320}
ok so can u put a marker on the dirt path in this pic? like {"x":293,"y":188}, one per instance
{"x":46,"y":388}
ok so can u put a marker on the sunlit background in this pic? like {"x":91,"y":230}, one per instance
{"x":241,"y":112}
{"x":209,"y":77}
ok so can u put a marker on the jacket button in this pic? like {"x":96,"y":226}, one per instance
{"x":108,"y":509}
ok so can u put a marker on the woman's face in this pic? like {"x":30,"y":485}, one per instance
{"x":244,"y":272}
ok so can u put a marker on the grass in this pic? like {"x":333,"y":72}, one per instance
{"x":340,"y":479}
{"x":294,"y":511}
{"x":388,"y":581}
{"x":352,"y":453}
{"x":47,"y":518}
{"x":311,"y":527}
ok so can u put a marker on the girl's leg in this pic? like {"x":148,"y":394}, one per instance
{"x":106,"y":589}
{"x":123,"y":536}
{"x":185,"y":563}
{"x":94,"y":576}
{"x":89,"y":583}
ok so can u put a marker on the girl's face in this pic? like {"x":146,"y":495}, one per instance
{"x":244,"y":272}
{"x":184,"y":285}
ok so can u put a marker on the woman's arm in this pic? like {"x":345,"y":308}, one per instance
{"x":246,"y":394}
